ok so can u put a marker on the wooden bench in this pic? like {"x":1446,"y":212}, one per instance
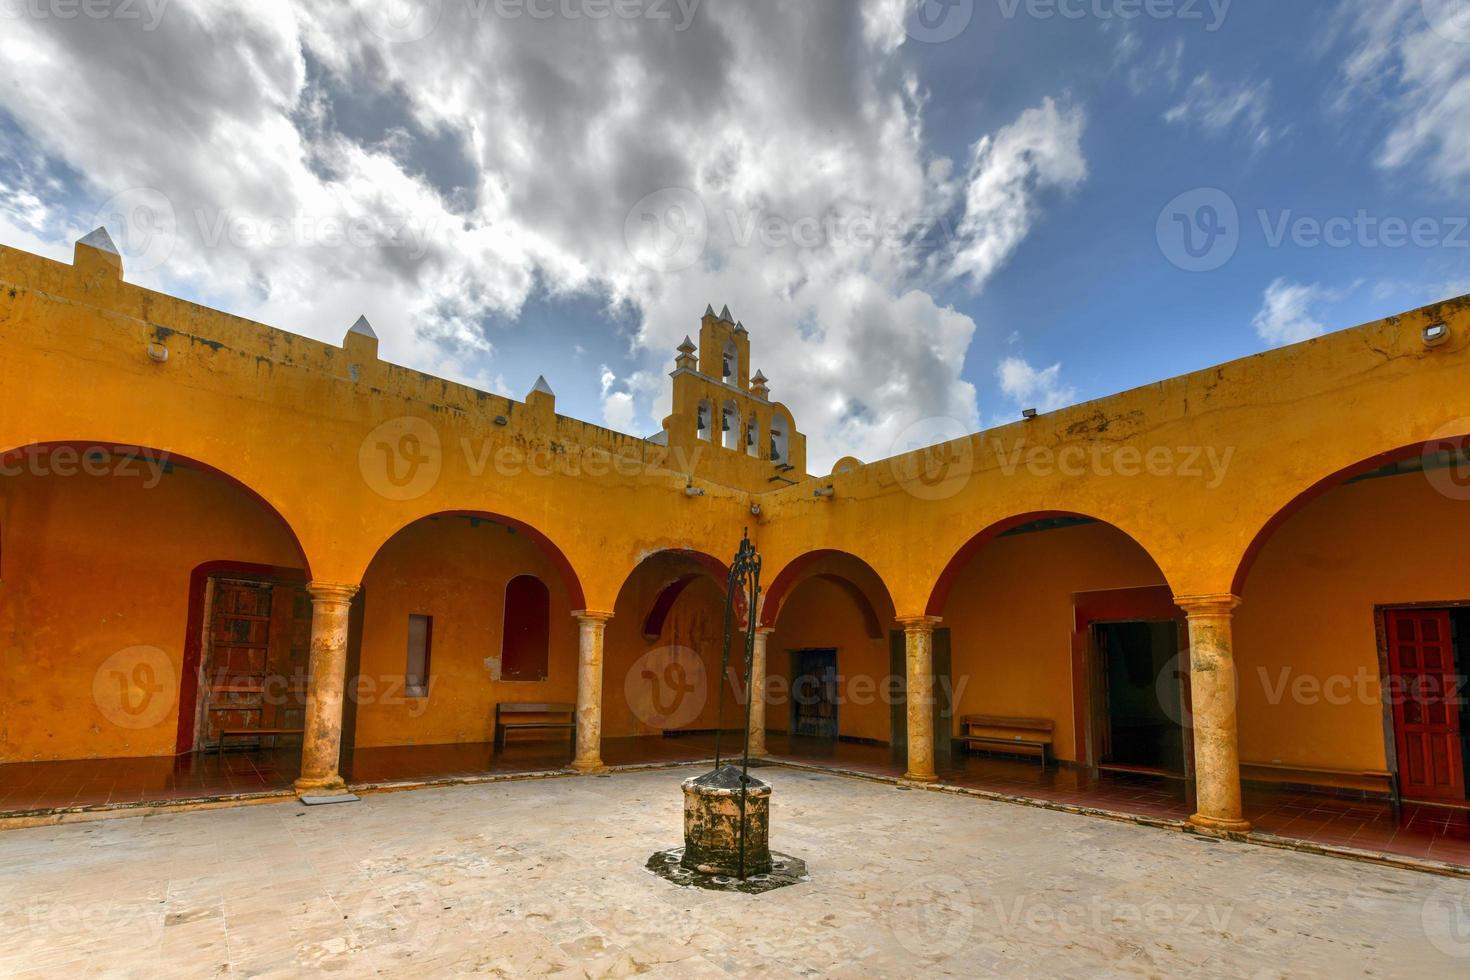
{"x":544,"y":716}
{"x":1029,"y":736}
{"x":227,"y":733}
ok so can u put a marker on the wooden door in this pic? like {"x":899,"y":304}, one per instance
{"x":814,"y":693}
{"x":1426,"y":710}
{"x":255,"y":663}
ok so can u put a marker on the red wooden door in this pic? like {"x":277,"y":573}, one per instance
{"x":1426,"y":709}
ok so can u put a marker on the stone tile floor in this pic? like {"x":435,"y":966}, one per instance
{"x":546,"y":877}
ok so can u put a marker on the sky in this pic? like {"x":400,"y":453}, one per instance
{"x":929,"y":214}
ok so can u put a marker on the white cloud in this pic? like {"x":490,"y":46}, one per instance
{"x":1042,"y":149}
{"x":441,"y":183}
{"x":618,"y":411}
{"x":1286,"y":315}
{"x":1418,"y":76}
{"x":1218,"y":109}
{"x":1030,"y":387}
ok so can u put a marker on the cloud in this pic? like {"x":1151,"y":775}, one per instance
{"x":618,"y":411}
{"x":311,"y":169}
{"x":1409,"y":62}
{"x":1218,"y":109}
{"x":1031,"y":387}
{"x":1041,"y":150}
{"x":1286,"y":315}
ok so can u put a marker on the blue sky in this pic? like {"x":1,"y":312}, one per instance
{"x":475,"y":180}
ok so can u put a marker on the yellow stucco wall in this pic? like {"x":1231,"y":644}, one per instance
{"x":350,"y":450}
{"x":1305,"y":639}
{"x":94,"y":565}
{"x":456,"y":572}
{"x":1011,"y":620}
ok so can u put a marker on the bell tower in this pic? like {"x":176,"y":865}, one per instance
{"x":724,"y":423}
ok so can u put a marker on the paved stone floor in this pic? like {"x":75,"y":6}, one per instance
{"x":547,"y":877}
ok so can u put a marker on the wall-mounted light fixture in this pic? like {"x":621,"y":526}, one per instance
{"x":693,"y":492}
{"x":822,"y":492}
{"x":755,"y":510}
{"x":157,"y":352}
{"x":1436,"y":334}
{"x":1028,"y":413}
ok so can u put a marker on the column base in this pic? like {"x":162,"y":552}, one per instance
{"x":1220,"y":825}
{"x":913,"y":777}
{"x":588,"y":767}
{"x":323,"y":786}
{"x":759,"y":753}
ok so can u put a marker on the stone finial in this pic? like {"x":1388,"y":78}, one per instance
{"x":685,"y":358}
{"x":362,"y":328}
{"x":99,"y":239}
{"x":759,"y":385}
{"x":95,"y":256}
{"x":542,"y":387}
{"x":725,"y":314}
{"x":740,"y":327}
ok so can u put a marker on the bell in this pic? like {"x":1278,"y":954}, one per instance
{"x":725,"y":424}
{"x":750,"y":437}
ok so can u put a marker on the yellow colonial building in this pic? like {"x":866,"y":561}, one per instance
{"x":234,"y":560}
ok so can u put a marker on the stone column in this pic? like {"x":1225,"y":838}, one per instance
{"x":918,"y":634}
{"x":321,"y":746}
{"x":1212,"y":687}
{"x":758,"y":694}
{"x":591,"y":627}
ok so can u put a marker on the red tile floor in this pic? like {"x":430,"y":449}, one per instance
{"x":1416,"y":831}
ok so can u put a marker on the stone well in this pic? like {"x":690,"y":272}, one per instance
{"x":712,"y":824}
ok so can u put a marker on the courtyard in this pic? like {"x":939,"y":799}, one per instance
{"x":546,"y":876}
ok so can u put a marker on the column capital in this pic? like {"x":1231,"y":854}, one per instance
{"x":764,"y":630}
{"x":1216,"y":604}
{"x":918,"y":624}
{"x":331,"y":591}
{"x":591,"y":615}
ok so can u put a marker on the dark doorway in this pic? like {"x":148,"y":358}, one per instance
{"x":814,"y":693}
{"x":943,"y":697}
{"x":1141,"y":696}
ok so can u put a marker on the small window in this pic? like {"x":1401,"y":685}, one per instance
{"x":420,"y":643}
{"x":525,"y":649}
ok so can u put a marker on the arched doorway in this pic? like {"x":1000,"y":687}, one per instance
{"x":116,"y":562}
{"x":1353,"y":635}
{"x":462,"y":613}
{"x":1067,"y":649}
{"x":834,"y":661}
{"x":662,"y":692}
